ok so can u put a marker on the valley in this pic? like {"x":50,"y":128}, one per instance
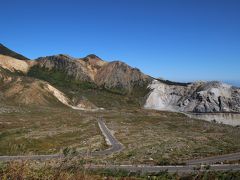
{"x":109,"y":113}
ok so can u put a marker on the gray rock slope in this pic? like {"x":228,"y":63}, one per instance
{"x":195,"y":97}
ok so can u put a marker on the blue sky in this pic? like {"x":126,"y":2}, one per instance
{"x":181,"y":40}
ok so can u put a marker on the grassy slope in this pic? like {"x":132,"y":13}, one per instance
{"x":168,"y":138}
{"x":68,"y":169}
{"x":26,"y":82}
{"x":44,"y":130}
{"x":99,"y":96}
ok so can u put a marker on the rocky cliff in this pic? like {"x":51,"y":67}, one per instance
{"x":194,"y":97}
{"x":120,"y":76}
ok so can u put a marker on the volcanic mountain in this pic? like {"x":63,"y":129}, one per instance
{"x":91,"y":82}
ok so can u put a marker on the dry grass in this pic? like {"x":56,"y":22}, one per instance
{"x":48,"y":130}
{"x":74,"y":169}
{"x":161,"y":138}
{"x":65,"y":169}
{"x":149,"y":137}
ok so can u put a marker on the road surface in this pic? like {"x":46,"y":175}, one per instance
{"x":169,"y":169}
{"x":115,"y":145}
{"x":215,"y":159}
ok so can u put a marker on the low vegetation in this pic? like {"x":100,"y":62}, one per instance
{"x":165,"y":138}
{"x":72,"y":169}
{"x":149,"y":137}
{"x":42,"y":130}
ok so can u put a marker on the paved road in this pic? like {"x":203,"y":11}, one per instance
{"x":215,"y":159}
{"x":170,"y":169}
{"x":116,"y":146}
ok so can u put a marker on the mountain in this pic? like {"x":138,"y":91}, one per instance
{"x":88,"y":81}
{"x":106,"y":84}
{"x":5,"y":51}
{"x":92,"y":82}
{"x":114,"y":76}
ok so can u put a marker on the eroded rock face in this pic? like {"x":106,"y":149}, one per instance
{"x":65,"y":64}
{"x":195,"y":97}
{"x":117,"y":74}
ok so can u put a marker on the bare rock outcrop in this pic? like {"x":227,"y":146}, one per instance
{"x":65,"y":64}
{"x":195,"y":97}
{"x":119,"y":75}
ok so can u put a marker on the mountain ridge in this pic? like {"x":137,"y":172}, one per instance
{"x":115,"y":84}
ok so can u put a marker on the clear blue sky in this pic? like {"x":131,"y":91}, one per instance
{"x":180,"y":40}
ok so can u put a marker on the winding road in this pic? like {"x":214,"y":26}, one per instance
{"x":116,"y":146}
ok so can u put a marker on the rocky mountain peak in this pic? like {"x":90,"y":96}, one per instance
{"x":92,"y":56}
{"x":119,"y":75}
{"x":59,"y":57}
{"x":94,"y":61}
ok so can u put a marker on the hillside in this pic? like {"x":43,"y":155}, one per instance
{"x":22,"y":90}
{"x":5,"y":51}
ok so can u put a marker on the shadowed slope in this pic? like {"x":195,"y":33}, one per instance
{"x":5,"y":51}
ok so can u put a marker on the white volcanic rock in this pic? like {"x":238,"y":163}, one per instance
{"x":195,"y":97}
{"x":65,"y":100}
{"x":162,"y":97}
